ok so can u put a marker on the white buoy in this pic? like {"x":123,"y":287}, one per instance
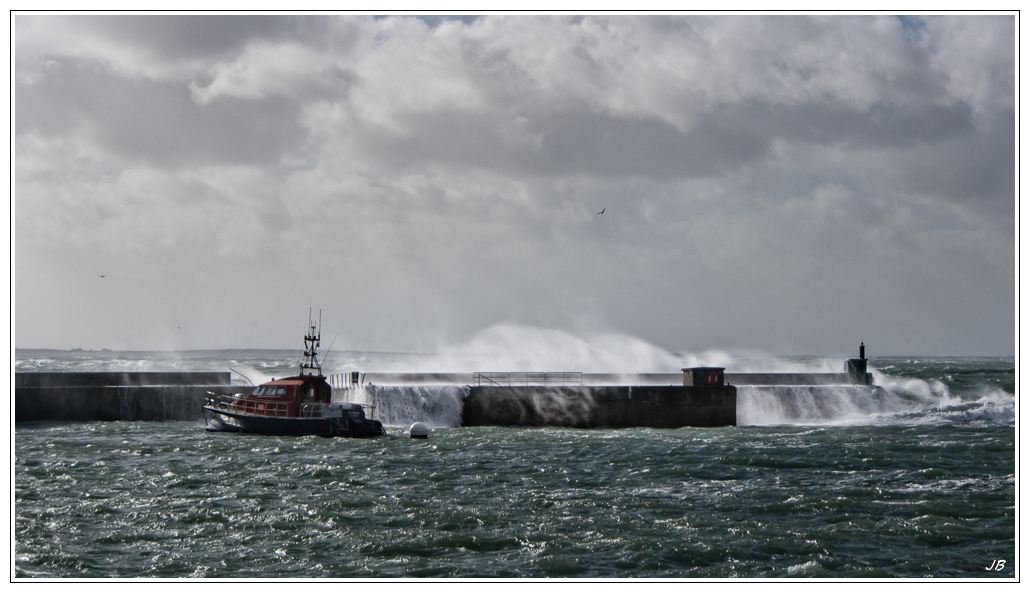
{"x":418,"y":431}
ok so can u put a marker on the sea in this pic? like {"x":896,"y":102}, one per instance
{"x":918,"y":483}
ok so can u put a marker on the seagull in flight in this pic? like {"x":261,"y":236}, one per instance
{"x":102,"y":276}
{"x":602,"y":210}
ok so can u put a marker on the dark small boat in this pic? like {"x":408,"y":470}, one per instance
{"x":297,"y":406}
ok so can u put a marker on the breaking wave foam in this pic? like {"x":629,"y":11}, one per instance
{"x":436,"y":406}
{"x":894,"y":400}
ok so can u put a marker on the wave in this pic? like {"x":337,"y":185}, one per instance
{"x":436,"y":406}
{"x":893,"y":401}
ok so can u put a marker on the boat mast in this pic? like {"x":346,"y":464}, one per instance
{"x":311,"y":342}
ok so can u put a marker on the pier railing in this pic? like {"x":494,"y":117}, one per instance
{"x":344,"y":381}
{"x":229,"y":403}
{"x":526,"y":379}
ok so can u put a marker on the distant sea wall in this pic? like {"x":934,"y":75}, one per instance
{"x":87,"y":397}
{"x":594,"y":407}
{"x":707,"y":396}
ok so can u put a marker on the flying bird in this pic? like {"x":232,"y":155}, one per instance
{"x":602,"y":210}
{"x":102,"y":276}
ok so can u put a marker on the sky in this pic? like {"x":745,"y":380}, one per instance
{"x":781,"y":184}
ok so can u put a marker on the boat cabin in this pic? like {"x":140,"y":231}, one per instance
{"x":287,"y":397}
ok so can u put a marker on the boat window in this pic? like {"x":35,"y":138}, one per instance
{"x":259,"y":390}
{"x":281,"y":391}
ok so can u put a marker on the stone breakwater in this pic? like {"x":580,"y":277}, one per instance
{"x":86,"y":397}
{"x":706,"y":397}
{"x":180,"y":396}
{"x":595,"y":407}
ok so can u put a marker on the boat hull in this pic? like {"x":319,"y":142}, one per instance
{"x":221,"y":420}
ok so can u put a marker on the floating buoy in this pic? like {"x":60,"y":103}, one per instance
{"x":418,"y":431}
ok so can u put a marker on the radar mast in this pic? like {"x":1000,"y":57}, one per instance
{"x":312,"y":340}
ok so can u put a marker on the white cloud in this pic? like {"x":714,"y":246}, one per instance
{"x":263,"y":69}
{"x":977,"y":58}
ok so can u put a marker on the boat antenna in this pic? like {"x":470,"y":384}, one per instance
{"x":324,"y":356}
{"x":245,"y":378}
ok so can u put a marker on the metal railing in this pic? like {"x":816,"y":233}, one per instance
{"x":527,"y":379}
{"x":248,"y":406}
{"x":344,"y":381}
{"x":320,"y":411}
{"x":238,"y":405}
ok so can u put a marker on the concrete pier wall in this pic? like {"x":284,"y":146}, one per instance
{"x":657,"y":401}
{"x":788,"y":379}
{"x":594,"y":407}
{"x":470,"y":378}
{"x":599,"y":379}
{"x":107,"y":379}
{"x":87,"y":397}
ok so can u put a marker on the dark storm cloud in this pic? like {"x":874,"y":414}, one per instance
{"x":574,"y":142}
{"x":880,"y":126}
{"x":435,"y":20}
{"x":976,"y":169}
{"x":156,"y":121}
{"x":944,"y":153}
{"x":202,"y":36}
{"x":941,"y":150}
{"x":766,"y":180}
{"x":603,"y":145}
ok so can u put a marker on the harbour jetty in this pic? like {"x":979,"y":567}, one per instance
{"x":697,"y":396}
{"x":561,"y":399}
{"x":88,"y":397}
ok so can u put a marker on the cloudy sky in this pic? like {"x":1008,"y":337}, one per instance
{"x":787,"y":184}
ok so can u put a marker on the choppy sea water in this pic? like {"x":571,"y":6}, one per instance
{"x":922,"y":486}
